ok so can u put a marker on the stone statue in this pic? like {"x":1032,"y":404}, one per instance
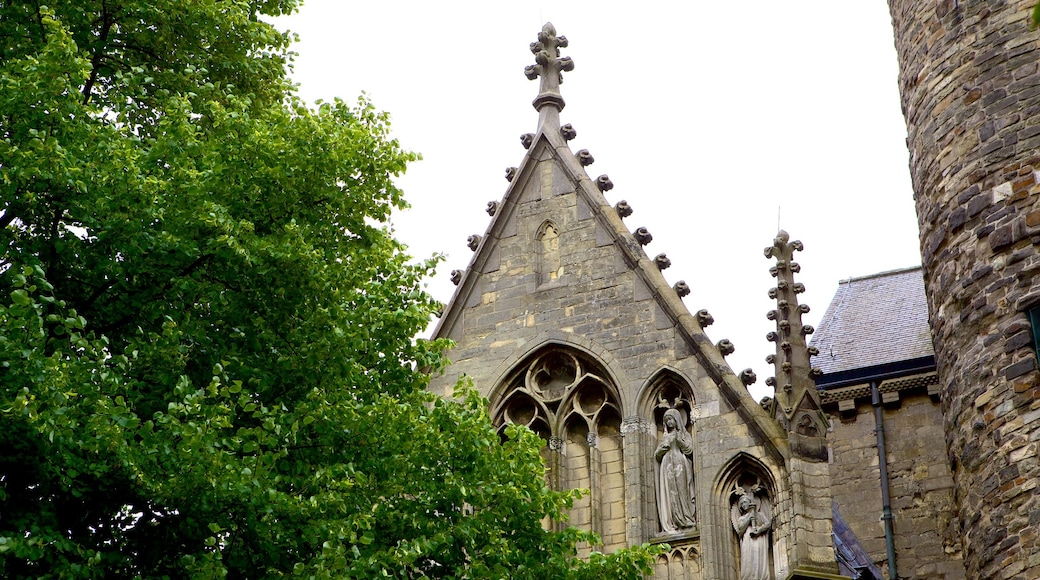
{"x":676,"y":506}
{"x":751,"y":522}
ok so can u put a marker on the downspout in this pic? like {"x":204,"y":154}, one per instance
{"x":886,"y":513}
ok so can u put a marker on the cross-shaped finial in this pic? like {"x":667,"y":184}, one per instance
{"x":549,"y":65}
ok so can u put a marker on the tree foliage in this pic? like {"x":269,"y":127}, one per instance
{"x":206,"y":358}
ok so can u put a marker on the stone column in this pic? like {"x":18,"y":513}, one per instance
{"x":971,"y":96}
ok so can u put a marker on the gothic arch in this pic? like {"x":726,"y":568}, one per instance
{"x":517,"y":361}
{"x":743,"y":475}
{"x":667,"y":385}
{"x":680,"y":563}
{"x":567,"y":397}
{"x":547,"y":249}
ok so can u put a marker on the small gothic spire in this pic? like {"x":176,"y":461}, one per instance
{"x":549,"y":66}
{"x":797,"y":402}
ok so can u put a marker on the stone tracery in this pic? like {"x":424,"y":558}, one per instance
{"x":567,"y":399}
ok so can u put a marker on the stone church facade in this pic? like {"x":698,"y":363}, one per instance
{"x":569,"y":328}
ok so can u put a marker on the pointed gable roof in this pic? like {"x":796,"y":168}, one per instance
{"x":550,"y":171}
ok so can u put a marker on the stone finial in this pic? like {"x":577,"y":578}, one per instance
{"x":510,"y":173}
{"x":803,"y":308}
{"x":623,"y":209}
{"x":662,"y":261}
{"x":808,"y":329}
{"x":643,"y":236}
{"x":815,"y":372}
{"x":492,"y":208}
{"x":681,"y":288}
{"x":604,"y":184}
{"x":748,"y":377}
{"x":585,"y":158}
{"x":568,"y":132}
{"x":770,"y":358}
{"x":813,"y":351}
{"x":798,"y":287}
{"x":771,"y":315}
{"x":456,"y":277}
{"x":527,"y":139}
{"x":704,"y":318}
{"x":726,"y":347}
{"x":771,"y":382}
{"x":549,"y":67}
{"x":473,"y":242}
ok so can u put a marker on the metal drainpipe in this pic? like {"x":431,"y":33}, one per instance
{"x":886,"y":513}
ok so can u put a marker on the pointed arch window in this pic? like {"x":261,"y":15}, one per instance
{"x":567,"y":398}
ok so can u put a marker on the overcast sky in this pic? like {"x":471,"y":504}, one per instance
{"x":715,"y":121}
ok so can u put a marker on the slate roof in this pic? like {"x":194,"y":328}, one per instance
{"x":874,"y":320}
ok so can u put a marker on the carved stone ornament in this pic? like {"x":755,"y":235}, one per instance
{"x":492,"y":208}
{"x":643,"y":236}
{"x":527,"y":139}
{"x":704,"y":318}
{"x":681,"y":288}
{"x":676,"y":506}
{"x":473,"y":242}
{"x":752,"y":519}
{"x":568,"y":132}
{"x":725,"y":347}
{"x":662,"y":262}
{"x":585,"y":158}
{"x":510,"y":173}
{"x":456,"y":277}
{"x":813,"y":351}
{"x":771,"y":382}
{"x":748,"y":377}
{"x":623,"y":209}
{"x":604,"y":184}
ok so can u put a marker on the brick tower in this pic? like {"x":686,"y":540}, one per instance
{"x":971,"y":96}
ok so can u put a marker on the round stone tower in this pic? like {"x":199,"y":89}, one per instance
{"x":971,"y":96}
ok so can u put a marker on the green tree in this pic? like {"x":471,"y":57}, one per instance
{"x":206,"y":358}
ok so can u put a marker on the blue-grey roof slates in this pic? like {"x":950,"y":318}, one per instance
{"x":874,"y":320}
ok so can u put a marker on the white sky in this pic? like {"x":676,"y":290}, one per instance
{"x":714,"y":120}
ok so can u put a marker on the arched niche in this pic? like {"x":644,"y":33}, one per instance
{"x":547,"y":248}
{"x":746,"y":507}
{"x":567,"y":397}
{"x":665,"y":389}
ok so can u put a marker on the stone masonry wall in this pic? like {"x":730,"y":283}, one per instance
{"x":927,"y":534}
{"x":971,"y":96}
{"x":601,"y":303}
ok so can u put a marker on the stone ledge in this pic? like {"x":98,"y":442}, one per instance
{"x":890,"y":390}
